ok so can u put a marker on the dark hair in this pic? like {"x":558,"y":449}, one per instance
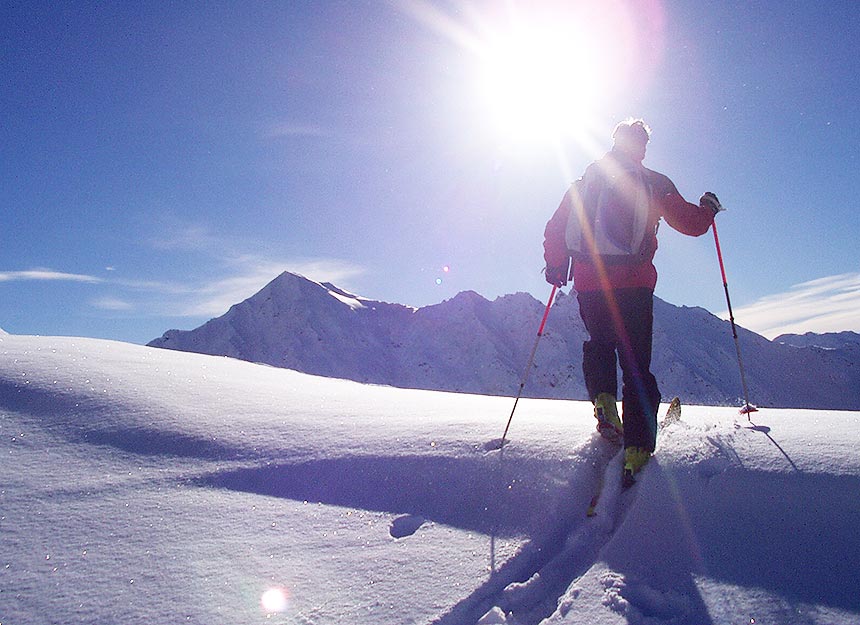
{"x":632,"y":128}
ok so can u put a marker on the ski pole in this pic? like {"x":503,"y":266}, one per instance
{"x":529,"y":365}
{"x":748,"y":408}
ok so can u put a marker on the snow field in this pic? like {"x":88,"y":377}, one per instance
{"x":148,"y":486}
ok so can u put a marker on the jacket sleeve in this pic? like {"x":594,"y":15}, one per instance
{"x":680,"y":214}
{"x":555,"y":252}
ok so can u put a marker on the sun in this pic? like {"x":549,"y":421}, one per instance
{"x":536,"y":82}
{"x":546,"y":71}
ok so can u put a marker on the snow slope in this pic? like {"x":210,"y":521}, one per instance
{"x":140,"y":485}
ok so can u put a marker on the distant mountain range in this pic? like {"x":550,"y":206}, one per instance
{"x":470,"y":344}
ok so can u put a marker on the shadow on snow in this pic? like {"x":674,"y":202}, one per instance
{"x":478,"y":494}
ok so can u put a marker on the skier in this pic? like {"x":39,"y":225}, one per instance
{"x":606,"y":225}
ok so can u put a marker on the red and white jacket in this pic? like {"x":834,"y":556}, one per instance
{"x":667,"y":203}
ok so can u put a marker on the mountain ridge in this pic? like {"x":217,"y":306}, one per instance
{"x":828,"y":340}
{"x":470,"y":344}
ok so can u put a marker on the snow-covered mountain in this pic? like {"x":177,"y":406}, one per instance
{"x":830,"y":340}
{"x":470,"y":344}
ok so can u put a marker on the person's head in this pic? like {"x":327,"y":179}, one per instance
{"x":631,"y":137}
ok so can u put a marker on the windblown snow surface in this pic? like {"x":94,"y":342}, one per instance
{"x":148,"y":486}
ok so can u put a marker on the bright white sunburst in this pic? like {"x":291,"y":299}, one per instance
{"x":538,"y":82}
{"x":544,"y":71}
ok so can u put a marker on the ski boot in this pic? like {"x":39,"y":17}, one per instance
{"x":608,"y":422}
{"x":634,"y":459}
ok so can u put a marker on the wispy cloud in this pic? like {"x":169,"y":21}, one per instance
{"x":177,"y":236}
{"x":240,"y":278}
{"x":231,"y":275}
{"x":829,"y":304}
{"x":248,"y":274}
{"x":112,"y":304}
{"x":46,"y":275}
{"x":237,"y":273}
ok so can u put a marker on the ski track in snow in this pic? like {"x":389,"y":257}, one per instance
{"x":540,"y":582}
{"x":530,"y":586}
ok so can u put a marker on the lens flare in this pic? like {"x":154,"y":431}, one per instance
{"x":275,"y":600}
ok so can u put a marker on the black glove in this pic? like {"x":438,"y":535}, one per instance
{"x":557,"y":276}
{"x":709,"y":200}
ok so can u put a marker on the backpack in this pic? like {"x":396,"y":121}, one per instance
{"x":610,"y":214}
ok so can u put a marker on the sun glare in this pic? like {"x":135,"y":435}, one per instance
{"x":546,"y":71}
{"x":540,"y":83}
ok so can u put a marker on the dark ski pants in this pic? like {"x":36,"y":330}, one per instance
{"x":621,"y":322}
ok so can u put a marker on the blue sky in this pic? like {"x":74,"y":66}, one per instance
{"x":162,"y":161}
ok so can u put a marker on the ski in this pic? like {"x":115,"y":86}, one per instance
{"x":673,"y":415}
